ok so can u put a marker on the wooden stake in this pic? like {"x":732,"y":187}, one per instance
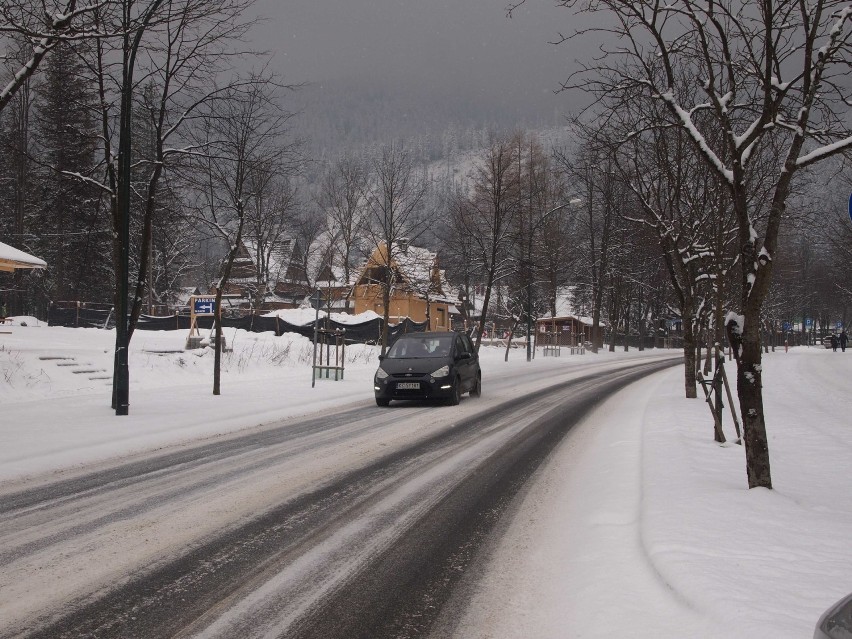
{"x":720,"y":435}
{"x":731,"y":404}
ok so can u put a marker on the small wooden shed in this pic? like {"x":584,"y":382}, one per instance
{"x":12,"y":259}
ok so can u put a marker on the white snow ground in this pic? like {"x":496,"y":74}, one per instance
{"x":640,"y":525}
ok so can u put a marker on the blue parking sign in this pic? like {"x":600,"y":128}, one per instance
{"x":204,"y":305}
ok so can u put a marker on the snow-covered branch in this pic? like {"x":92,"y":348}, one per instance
{"x":60,"y":29}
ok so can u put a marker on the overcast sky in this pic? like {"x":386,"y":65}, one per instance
{"x":467,"y":48}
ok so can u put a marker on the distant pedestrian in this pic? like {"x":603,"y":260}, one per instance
{"x":843,"y":340}
{"x":834,"y":342}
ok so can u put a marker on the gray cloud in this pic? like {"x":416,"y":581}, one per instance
{"x":446,"y":49}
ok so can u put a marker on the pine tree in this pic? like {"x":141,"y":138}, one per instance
{"x":17,"y":196}
{"x":72,"y":218}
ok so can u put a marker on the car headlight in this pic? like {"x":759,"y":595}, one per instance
{"x":380,"y":373}
{"x":442,"y":372}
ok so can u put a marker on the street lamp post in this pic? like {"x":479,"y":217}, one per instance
{"x":121,"y":375}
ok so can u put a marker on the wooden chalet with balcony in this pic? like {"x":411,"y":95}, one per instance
{"x":417,"y":286}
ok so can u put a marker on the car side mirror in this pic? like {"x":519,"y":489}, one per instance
{"x":381,"y":357}
{"x":464,"y":356}
{"x":835,"y":621}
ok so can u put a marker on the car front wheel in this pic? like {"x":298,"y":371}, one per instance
{"x":382,"y":402}
{"x":455,"y":393}
{"x":476,"y":391}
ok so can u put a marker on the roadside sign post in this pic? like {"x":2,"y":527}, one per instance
{"x":199,"y":306}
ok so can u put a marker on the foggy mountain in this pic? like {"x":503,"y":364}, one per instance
{"x":337,"y":115}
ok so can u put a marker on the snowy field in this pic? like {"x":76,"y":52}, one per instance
{"x":640,"y":525}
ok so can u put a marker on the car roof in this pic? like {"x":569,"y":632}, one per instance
{"x":429,"y":334}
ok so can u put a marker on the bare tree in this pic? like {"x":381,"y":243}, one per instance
{"x":422,"y":276}
{"x":485,"y":218}
{"x":539,"y":200}
{"x":241,"y":134}
{"x":185,"y":44}
{"x":457,"y":250}
{"x":394,"y":196}
{"x":771,"y":73}
{"x":269,"y":226}
{"x":342,"y":198}
{"x":315,"y":250}
{"x":189,"y":45}
{"x":593,"y":170}
{"x":676,"y":201}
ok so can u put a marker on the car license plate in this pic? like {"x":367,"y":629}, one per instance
{"x":408,"y":386}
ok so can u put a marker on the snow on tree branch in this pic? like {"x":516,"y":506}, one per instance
{"x":59,"y":28}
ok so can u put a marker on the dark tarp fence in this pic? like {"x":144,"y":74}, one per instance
{"x":369,"y":332}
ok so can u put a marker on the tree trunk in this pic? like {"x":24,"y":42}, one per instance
{"x":486,"y":301}
{"x":509,"y":341}
{"x":689,"y":361}
{"x":747,"y":354}
{"x":385,"y":315}
{"x":217,"y":321}
{"x":217,"y":358}
{"x":708,"y":357}
{"x":750,"y":391}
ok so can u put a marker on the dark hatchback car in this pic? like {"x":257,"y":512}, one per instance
{"x":428,"y":366}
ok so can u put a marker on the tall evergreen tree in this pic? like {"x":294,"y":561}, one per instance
{"x":17,"y":192}
{"x":72,"y":220}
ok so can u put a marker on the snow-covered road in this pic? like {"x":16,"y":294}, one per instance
{"x":253,"y":533}
{"x":637,"y":525}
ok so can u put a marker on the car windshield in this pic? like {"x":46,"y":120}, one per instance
{"x":433,"y":346}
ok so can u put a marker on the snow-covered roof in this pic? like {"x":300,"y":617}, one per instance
{"x":281,"y":259}
{"x":12,"y":258}
{"x":564,"y":307}
{"x":279,"y":256}
{"x":415,"y":263}
{"x":182,"y":295}
{"x":321,"y":257}
{"x":302,"y":316}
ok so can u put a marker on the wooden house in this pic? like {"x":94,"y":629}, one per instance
{"x":416,"y":284}
{"x":564,"y":330}
{"x":566,"y":327}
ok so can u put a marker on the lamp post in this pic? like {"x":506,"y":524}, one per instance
{"x":121,"y":375}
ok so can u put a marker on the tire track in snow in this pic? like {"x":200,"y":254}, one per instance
{"x":184,"y":593}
